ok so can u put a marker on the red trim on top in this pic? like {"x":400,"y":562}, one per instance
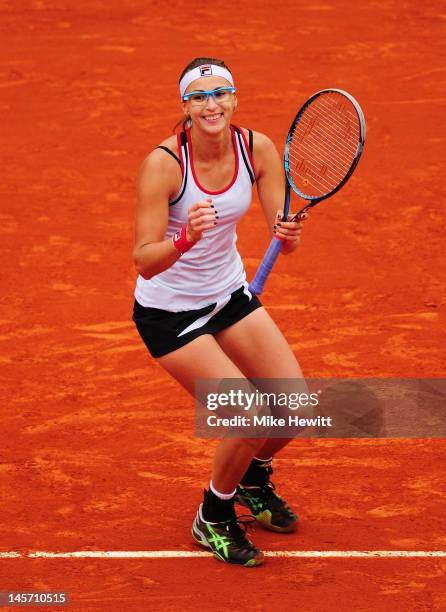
{"x":248,"y":151}
{"x":234,"y":144}
{"x":180,"y":154}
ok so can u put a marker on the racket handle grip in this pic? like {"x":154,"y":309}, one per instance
{"x":259,"y":280}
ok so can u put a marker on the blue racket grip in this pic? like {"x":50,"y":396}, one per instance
{"x":259,"y":280}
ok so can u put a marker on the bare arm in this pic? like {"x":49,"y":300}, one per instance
{"x":270,"y":178}
{"x":158,"y":180}
{"x":271,"y":190}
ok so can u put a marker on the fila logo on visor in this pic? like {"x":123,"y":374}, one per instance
{"x":206,"y":70}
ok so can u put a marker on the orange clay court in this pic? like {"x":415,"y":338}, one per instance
{"x":94,"y":434}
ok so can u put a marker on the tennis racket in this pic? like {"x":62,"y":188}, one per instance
{"x":322,"y":149}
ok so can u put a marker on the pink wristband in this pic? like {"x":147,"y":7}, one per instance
{"x":180,"y":242}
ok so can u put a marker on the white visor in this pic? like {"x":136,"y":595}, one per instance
{"x":206,"y":70}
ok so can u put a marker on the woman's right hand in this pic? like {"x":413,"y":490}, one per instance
{"x":200,"y":217}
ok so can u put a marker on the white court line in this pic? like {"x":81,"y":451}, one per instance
{"x":181,"y":554}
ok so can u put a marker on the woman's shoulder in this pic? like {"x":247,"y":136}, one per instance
{"x":263,"y":150}
{"x":262,"y":140}
{"x":164,"y":156}
{"x":259,"y":141}
{"x":162,"y":165}
{"x":170,"y":143}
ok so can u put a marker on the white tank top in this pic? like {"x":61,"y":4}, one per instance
{"x":212,"y":269}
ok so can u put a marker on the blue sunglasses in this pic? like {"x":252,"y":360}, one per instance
{"x":221,"y":94}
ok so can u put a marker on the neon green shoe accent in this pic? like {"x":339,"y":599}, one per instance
{"x":254,"y":501}
{"x":220,"y":542}
{"x":253,"y":562}
{"x":264,"y":517}
{"x":258,"y":506}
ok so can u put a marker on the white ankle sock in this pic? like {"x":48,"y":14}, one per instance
{"x":221,"y":495}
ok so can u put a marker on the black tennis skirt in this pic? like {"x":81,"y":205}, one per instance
{"x":163,"y":331}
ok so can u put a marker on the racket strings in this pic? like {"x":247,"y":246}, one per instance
{"x":324,"y":144}
{"x":327,"y":155}
{"x":327,"y":132}
{"x":339,"y":135}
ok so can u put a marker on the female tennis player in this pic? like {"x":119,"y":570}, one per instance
{"x":193,"y":309}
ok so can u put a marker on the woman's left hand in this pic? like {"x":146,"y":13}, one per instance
{"x":289,"y":231}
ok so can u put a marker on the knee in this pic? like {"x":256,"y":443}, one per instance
{"x":253,"y":444}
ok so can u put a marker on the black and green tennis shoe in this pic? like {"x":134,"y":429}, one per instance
{"x":227,"y":539}
{"x":268,"y":508}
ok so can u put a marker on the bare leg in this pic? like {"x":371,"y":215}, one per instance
{"x":231,"y":460}
{"x":257,"y":347}
{"x":271,"y":447}
{"x":204,"y":358}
